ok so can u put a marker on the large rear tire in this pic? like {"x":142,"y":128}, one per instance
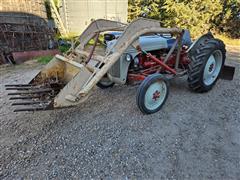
{"x":206,"y":64}
{"x":152,"y":93}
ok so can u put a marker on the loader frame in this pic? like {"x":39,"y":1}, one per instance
{"x":130,"y":35}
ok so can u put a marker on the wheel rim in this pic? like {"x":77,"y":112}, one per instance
{"x":212,"y":67}
{"x":155,"y":95}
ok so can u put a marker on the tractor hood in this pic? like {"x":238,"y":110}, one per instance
{"x":148,"y":43}
{"x":151,"y":42}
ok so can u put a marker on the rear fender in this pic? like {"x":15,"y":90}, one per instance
{"x":197,"y":43}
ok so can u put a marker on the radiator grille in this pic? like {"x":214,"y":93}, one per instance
{"x":115,"y":70}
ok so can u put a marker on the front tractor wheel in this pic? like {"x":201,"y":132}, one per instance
{"x":206,"y":65}
{"x":152,"y":94}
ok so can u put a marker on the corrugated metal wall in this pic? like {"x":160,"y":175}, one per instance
{"x":77,"y":14}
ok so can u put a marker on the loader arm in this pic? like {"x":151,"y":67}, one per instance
{"x":97,"y":26}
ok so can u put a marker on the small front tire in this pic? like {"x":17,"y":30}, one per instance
{"x":152,"y":93}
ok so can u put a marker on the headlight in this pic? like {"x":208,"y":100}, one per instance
{"x":128,"y":57}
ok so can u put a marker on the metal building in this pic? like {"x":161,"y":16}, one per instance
{"x":77,"y":14}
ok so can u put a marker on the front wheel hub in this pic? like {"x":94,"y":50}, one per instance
{"x":155,"y":95}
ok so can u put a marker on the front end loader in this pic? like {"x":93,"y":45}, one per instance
{"x":141,"y":52}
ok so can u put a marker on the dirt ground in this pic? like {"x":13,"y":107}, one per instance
{"x":194,"y":136}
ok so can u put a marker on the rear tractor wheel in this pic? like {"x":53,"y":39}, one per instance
{"x":152,"y":94}
{"x":206,"y":64}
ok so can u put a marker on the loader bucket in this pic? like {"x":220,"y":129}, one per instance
{"x":54,"y":86}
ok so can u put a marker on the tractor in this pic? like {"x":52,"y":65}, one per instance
{"x":141,"y":52}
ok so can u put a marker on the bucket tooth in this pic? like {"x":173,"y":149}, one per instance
{"x":18,"y":85}
{"x":20,"y":88}
{"x":33,"y":97}
{"x":24,"y":97}
{"x":39,"y":91}
{"x":30,"y":103}
{"x":39,"y":108}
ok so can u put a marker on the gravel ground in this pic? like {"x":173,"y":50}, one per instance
{"x":194,"y":136}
